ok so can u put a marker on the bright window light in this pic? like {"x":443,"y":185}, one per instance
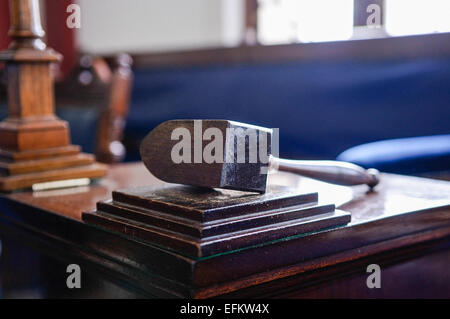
{"x":287,"y":21}
{"x":407,"y":17}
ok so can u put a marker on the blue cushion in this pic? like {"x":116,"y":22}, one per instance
{"x":321,"y":108}
{"x":83,"y":125}
{"x":416,"y":155}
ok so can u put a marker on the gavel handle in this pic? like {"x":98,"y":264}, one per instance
{"x":341,"y":173}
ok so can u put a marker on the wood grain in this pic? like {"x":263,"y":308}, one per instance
{"x":24,"y":181}
{"x":198,"y":222}
{"x":390,"y":224}
{"x":405,"y":47}
{"x":15,"y":168}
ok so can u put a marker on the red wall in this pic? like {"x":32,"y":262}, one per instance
{"x":4,"y":24}
{"x":59,"y":36}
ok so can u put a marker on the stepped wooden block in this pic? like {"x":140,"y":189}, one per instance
{"x":202,"y":222}
{"x":24,"y":173}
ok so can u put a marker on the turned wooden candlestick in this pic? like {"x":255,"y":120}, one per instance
{"x":34,"y":143}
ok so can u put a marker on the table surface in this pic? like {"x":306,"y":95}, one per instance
{"x":395,"y":194}
{"x":401,"y":211}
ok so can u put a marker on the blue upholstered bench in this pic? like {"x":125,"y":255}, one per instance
{"x":321,"y":108}
{"x":416,"y":155}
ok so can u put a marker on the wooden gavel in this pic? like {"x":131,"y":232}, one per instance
{"x":157,"y":154}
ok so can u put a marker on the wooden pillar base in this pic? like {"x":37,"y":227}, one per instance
{"x":25,"y":135}
{"x":34,"y":143}
{"x":21,"y":170}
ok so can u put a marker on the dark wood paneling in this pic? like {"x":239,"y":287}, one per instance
{"x":432,"y":45}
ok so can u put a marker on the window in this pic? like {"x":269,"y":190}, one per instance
{"x":407,"y":17}
{"x":290,"y":21}
{"x":284,"y":21}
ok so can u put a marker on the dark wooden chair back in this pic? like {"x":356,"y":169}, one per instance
{"x":104,"y":84}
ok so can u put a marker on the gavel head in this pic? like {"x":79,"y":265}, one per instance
{"x":209,"y":153}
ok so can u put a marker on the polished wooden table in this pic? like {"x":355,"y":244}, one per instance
{"x":404,"y":227}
